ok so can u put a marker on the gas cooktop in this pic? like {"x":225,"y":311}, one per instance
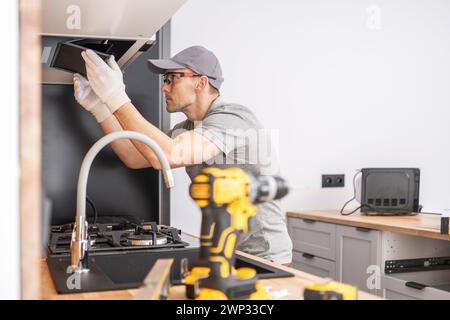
{"x":122,"y":251}
{"x":109,"y":234}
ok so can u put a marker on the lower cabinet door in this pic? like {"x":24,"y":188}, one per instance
{"x":314,"y":265}
{"x":358,"y":251}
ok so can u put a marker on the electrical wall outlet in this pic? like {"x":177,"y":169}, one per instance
{"x":333,"y":180}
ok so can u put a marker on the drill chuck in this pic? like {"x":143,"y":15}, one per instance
{"x":268,"y":188}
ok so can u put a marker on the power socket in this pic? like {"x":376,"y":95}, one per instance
{"x":333,"y":180}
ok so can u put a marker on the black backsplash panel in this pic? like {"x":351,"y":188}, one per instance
{"x":68,"y":133}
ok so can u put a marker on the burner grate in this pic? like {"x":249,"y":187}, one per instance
{"x":118,"y":234}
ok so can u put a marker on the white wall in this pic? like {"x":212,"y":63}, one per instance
{"x":345,"y":89}
{"x":9,"y":182}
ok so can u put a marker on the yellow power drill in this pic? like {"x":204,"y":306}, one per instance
{"x":330,"y":290}
{"x":227,"y":199}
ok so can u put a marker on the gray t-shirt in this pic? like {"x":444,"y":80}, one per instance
{"x":244,"y":143}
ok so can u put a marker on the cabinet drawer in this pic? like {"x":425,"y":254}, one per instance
{"x":314,"y":237}
{"x":437,"y":285}
{"x":314,"y":265}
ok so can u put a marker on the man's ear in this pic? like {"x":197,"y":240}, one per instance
{"x":202,"y":83}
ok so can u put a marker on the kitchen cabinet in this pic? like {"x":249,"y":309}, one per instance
{"x":351,"y":244}
{"x":339,"y":252}
{"x":357,"y":250}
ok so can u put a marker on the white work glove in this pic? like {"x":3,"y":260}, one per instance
{"x":87,"y":98}
{"x":106,"y":80}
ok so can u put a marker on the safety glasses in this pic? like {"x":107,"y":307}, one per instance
{"x":169,"y":76}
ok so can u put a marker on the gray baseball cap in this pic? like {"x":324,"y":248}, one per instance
{"x":197,"y":58}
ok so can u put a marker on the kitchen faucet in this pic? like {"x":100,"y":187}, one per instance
{"x":79,"y":245}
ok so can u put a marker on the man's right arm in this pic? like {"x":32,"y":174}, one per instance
{"x":124,"y":149}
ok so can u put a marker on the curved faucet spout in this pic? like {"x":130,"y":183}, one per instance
{"x":79,"y":243}
{"x":99,"y":145}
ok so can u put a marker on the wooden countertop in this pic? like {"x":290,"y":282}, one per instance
{"x":294,"y":286}
{"x":422,"y":225}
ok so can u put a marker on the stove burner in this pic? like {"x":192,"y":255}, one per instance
{"x":147,"y":240}
{"x":118,"y":234}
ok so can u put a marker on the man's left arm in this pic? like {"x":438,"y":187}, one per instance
{"x":186,"y":149}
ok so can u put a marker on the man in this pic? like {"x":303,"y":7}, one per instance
{"x":215,"y":132}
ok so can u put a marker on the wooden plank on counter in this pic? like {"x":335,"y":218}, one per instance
{"x":294,"y":286}
{"x":157,"y":282}
{"x":422,"y":225}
